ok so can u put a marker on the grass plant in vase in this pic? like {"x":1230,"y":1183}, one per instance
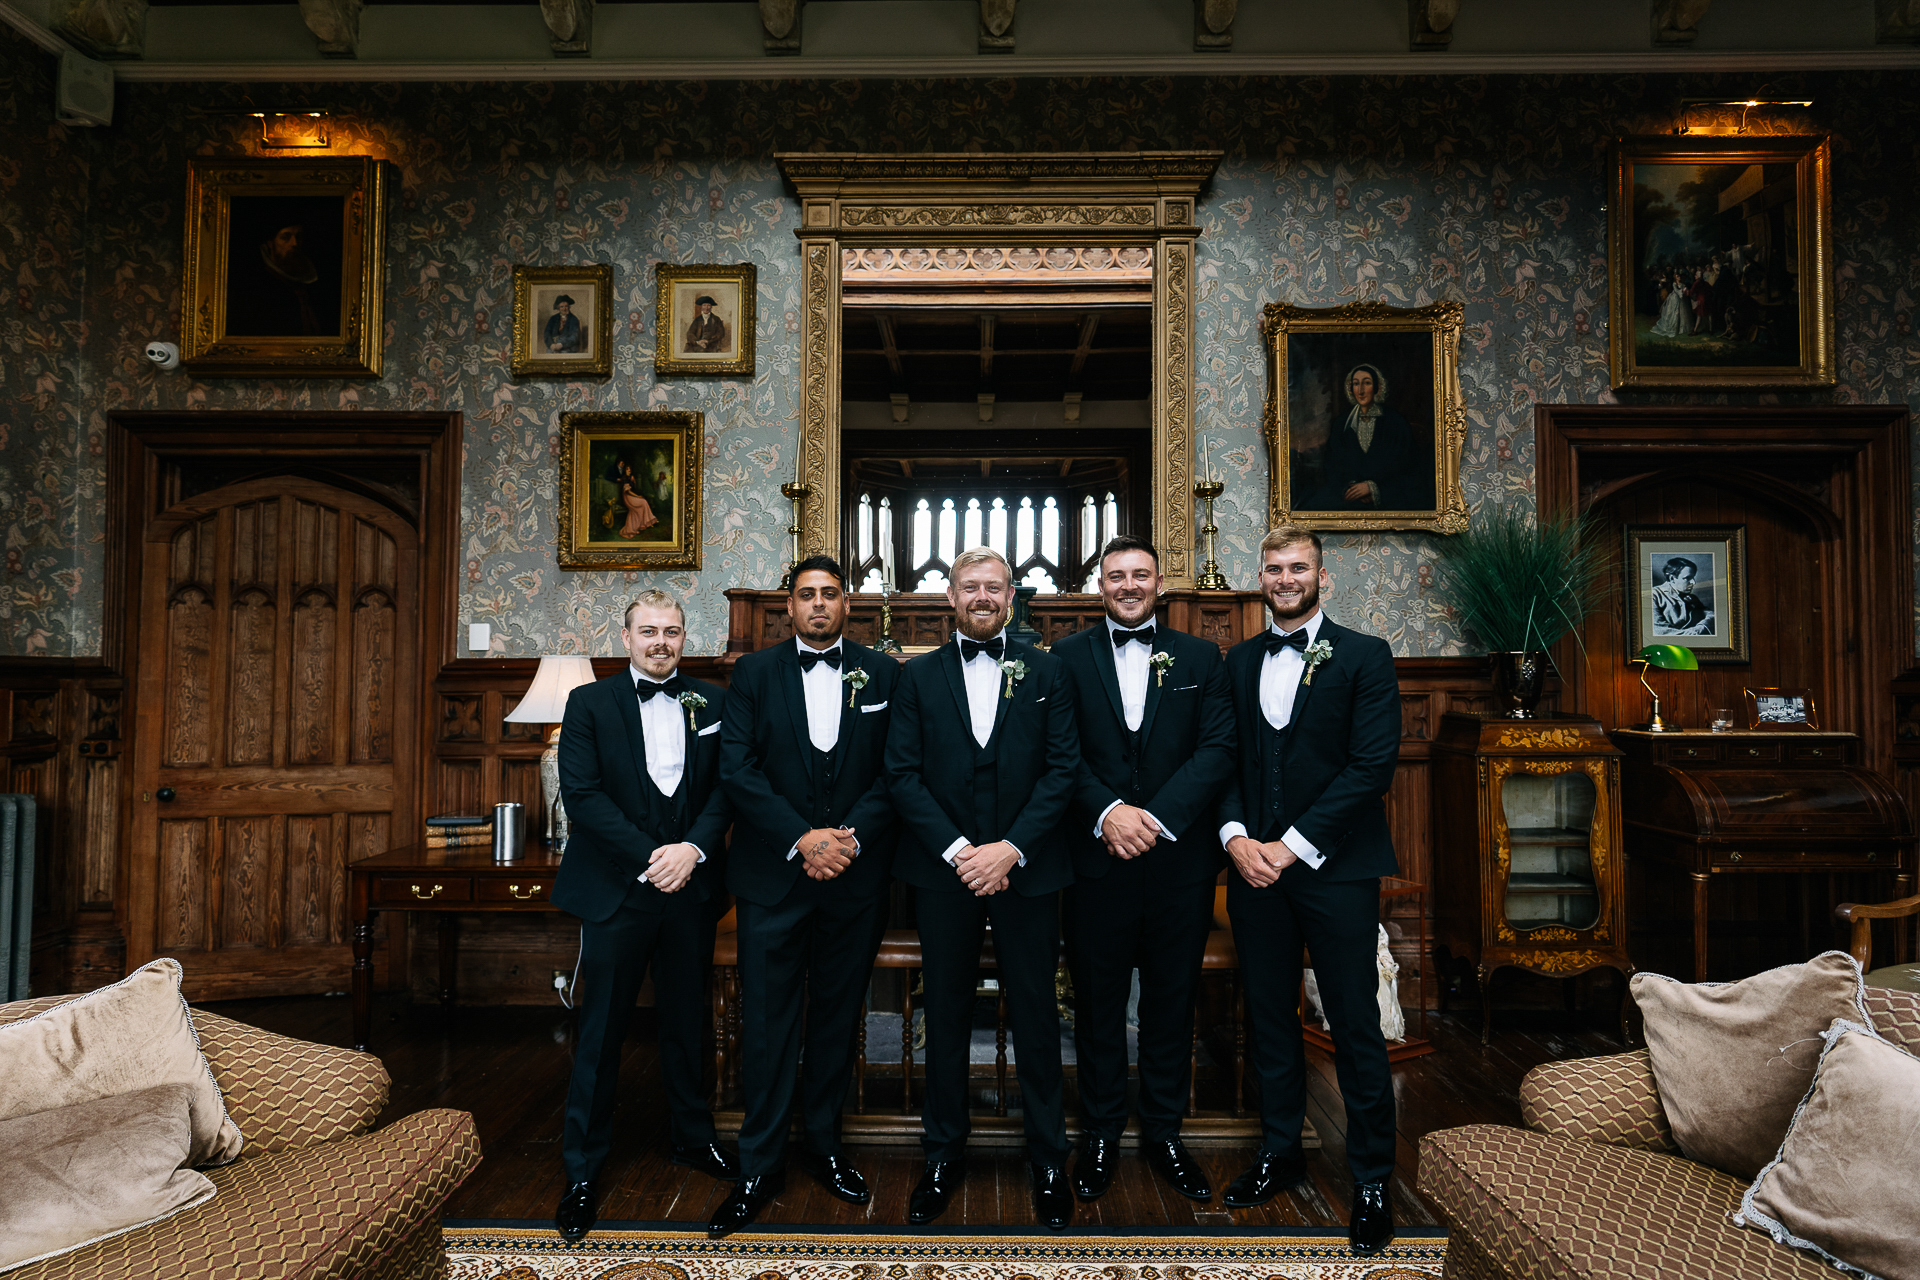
{"x":1520,"y":585}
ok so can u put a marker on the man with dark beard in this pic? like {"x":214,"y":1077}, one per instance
{"x":1317,"y":708}
{"x":981,"y":762}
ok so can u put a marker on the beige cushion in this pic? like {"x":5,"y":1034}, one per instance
{"x":1843,"y":1183}
{"x":120,"y":1039}
{"x":78,"y":1174}
{"x":1734,"y":1059}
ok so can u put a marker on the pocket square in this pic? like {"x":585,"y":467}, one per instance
{"x":878,"y":706}
{"x":712,"y":728}
{"x":1038,"y":701}
{"x":1182,"y":688}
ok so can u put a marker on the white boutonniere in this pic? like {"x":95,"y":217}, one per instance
{"x":1015,"y":670}
{"x":692,"y":702}
{"x":855,"y":679}
{"x":1160,"y":662}
{"x":1315,"y":654}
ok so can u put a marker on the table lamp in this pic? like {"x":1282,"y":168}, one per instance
{"x":1668,"y":657}
{"x":546,"y":703}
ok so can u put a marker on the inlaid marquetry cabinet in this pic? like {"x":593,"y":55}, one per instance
{"x":1527,"y":865}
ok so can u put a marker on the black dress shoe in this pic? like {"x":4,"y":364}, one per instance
{"x":1093,"y":1171}
{"x":744,"y":1204}
{"x":934,"y":1190}
{"x":1182,"y":1172}
{"x":842,"y":1180}
{"x":710,"y":1158}
{"x":576,"y":1214}
{"x":1370,"y":1228}
{"x":1264,"y":1179}
{"x":1052,"y":1202}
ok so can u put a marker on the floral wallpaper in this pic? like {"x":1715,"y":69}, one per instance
{"x":1406,"y":190}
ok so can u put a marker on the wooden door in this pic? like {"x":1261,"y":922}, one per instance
{"x":274,"y":656}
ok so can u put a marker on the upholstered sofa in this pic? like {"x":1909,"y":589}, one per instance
{"x":1595,"y":1187}
{"x":315,"y":1194}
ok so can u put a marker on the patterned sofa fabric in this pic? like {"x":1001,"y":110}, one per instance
{"x":286,"y":1093}
{"x":1611,"y":1100}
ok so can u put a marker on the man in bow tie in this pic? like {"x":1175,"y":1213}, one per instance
{"x":640,"y":771}
{"x":813,"y":835}
{"x":1317,"y":709}
{"x":981,"y":762}
{"x":1156,"y":749}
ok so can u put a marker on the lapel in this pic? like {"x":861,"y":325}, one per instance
{"x":1304,"y":690}
{"x":690,"y":780}
{"x":848,"y":661}
{"x":1154,"y":681}
{"x":628,"y":699}
{"x":794,"y":691}
{"x":957,"y":685}
{"x":1001,"y":702}
{"x":1106,"y":663}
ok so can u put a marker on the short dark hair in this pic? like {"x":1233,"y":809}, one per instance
{"x":1127,"y":542}
{"x":1673,"y":568}
{"x":816,"y":564}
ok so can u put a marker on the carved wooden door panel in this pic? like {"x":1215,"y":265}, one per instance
{"x":275,"y":649}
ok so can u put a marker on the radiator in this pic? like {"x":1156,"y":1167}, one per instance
{"x":16,"y":893}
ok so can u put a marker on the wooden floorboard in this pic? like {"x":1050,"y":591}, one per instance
{"x":509,"y":1067}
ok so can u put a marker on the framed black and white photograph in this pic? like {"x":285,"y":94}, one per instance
{"x":704,"y":319}
{"x":562,"y":321}
{"x":1688,"y":586}
{"x":1781,"y":709}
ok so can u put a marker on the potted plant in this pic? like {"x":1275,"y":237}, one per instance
{"x":1520,"y":585}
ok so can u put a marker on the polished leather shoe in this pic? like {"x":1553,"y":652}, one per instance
{"x":576,"y":1214}
{"x":1370,"y":1228}
{"x":1052,"y":1202}
{"x":744,"y":1204}
{"x":842,"y":1180}
{"x":1093,"y":1171}
{"x":1264,"y":1179}
{"x":934,"y":1190}
{"x":1181,"y":1171}
{"x":709,"y":1158}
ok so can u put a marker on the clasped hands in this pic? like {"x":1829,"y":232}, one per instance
{"x":984,"y":867}
{"x":1129,"y":832}
{"x":671,"y":866}
{"x":1260,"y":864}
{"x":827,"y":851}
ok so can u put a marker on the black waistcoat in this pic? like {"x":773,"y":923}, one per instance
{"x":1273,"y":755}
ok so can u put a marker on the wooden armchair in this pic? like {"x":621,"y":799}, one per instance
{"x":1901,"y":976}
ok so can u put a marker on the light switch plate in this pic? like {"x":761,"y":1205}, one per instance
{"x":479,"y":636}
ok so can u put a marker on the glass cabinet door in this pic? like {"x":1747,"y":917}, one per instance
{"x":1549,"y":820}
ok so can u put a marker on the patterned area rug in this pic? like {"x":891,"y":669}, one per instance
{"x":519,"y":1252}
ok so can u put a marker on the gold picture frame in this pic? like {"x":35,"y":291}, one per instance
{"x":563,"y":321}
{"x":1782,"y":710}
{"x":285,"y":267}
{"x":1410,"y":411}
{"x":630,"y":489}
{"x":1720,"y":262}
{"x":723,"y":341}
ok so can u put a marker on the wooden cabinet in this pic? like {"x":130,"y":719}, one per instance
{"x":1527,"y":852}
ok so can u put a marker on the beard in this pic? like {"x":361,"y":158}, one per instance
{"x":822,"y":630}
{"x":1308,"y":602}
{"x":980,"y":626}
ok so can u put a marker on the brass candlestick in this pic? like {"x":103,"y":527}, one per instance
{"x":796,"y":493}
{"x":1210,"y":579}
{"x":886,"y":643}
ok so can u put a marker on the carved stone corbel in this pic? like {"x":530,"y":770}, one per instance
{"x":103,"y":28}
{"x":570,"y":25}
{"x":1430,"y":24}
{"x":335,"y":24}
{"x":781,"y":20}
{"x":1213,"y":25}
{"x":996,"y":26}
{"x":1677,"y":22}
{"x":1896,"y":21}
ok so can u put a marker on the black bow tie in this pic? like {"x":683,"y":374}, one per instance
{"x":993,"y":648}
{"x":1144,"y":635}
{"x":809,"y":658}
{"x":647,"y":688}
{"x":1292,"y":640}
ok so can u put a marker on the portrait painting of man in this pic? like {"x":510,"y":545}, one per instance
{"x":705,"y":319}
{"x":563,"y":321}
{"x":707,"y":332}
{"x":1687,"y":586}
{"x":284,"y":266}
{"x":1362,"y":422}
{"x":1683,"y":594}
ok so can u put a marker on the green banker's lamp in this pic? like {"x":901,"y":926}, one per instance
{"x":1668,"y":657}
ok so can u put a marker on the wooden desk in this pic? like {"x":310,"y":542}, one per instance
{"x":443,"y":882}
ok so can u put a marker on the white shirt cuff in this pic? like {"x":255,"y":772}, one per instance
{"x":1101,"y":821}
{"x":1303,"y":848}
{"x":953,"y":850}
{"x":1229,"y":831}
{"x":1016,"y":848}
{"x":1164,"y":833}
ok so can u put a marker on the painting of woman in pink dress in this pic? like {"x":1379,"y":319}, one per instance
{"x":639,"y":511}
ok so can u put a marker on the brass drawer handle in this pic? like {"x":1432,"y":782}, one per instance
{"x":533,"y":891}
{"x":428,"y":896}
{"x":1734,"y":856}
{"x":1818,"y":751}
{"x":1753,"y":751}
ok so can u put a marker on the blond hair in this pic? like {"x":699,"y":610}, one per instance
{"x":1288,"y":535}
{"x":652,"y":598}
{"x":977,"y":555}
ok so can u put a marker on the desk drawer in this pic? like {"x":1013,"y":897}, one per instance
{"x":514,"y":889}
{"x":1692,"y":752}
{"x":1826,"y":753}
{"x":399,"y":890}
{"x":1753,"y":753}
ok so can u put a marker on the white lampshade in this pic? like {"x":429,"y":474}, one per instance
{"x":546,"y":700}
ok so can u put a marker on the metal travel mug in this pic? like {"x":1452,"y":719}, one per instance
{"x":509,"y":830}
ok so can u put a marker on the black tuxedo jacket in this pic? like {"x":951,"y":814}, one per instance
{"x":766,"y":765}
{"x":930,"y":759}
{"x":1185,"y":760}
{"x":618,"y":817}
{"x":1340,"y":756}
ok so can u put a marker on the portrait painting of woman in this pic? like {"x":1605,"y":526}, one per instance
{"x":630,"y":489}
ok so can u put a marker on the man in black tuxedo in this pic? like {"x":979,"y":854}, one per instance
{"x":640,"y":772}
{"x":1156,"y":751}
{"x":801,"y":758}
{"x":981,"y":762}
{"x":1317,"y":709}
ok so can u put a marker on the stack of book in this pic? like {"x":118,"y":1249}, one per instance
{"x":459,"y":830}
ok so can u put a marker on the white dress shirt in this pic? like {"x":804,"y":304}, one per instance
{"x":1279,"y":681}
{"x":983,"y":679}
{"x":662,"y":724}
{"x":1131,"y":663}
{"x":823,"y":687}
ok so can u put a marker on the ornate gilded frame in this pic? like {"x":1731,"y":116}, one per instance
{"x":1812,"y":245}
{"x":940,"y":200}
{"x":212,"y":185}
{"x":579,"y":547}
{"x":666,"y":276}
{"x":598,"y":361}
{"x":1441,"y":322}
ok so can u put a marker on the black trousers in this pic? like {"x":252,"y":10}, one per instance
{"x":1122,"y":921}
{"x":818,"y":946}
{"x":1338,"y":921}
{"x":615,"y":955}
{"x":1026,"y":946}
